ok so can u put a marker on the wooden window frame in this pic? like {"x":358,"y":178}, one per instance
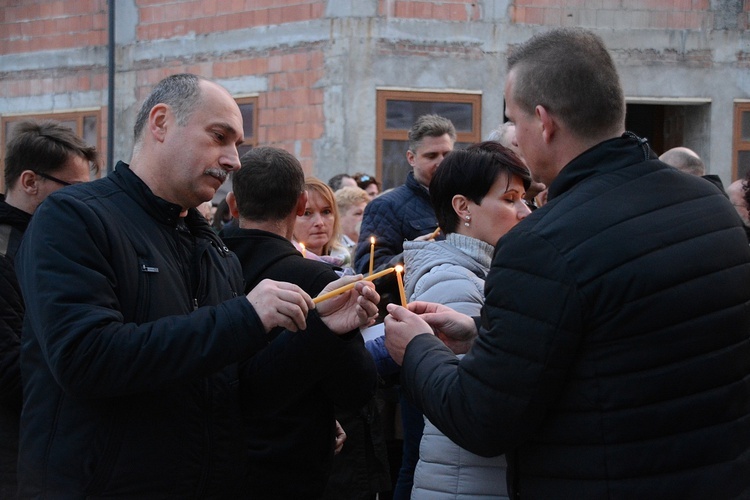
{"x":251,"y":141}
{"x":737,"y":143}
{"x":384,"y":134}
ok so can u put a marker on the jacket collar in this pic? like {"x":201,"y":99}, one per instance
{"x":607,"y":156}
{"x":413,"y":184}
{"x":160,"y":209}
{"x":14,"y":217}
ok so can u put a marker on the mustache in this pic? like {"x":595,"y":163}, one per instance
{"x":219,"y":173}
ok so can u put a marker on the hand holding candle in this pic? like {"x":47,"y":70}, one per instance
{"x":399,"y":270}
{"x":372,"y":253}
{"x":346,"y":288}
{"x":434,"y":234}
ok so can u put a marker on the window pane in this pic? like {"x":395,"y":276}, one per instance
{"x":244,"y":149}
{"x":743,"y":163}
{"x":247,"y":111}
{"x":395,"y":166}
{"x":71,"y":124}
{"x":745,"y":132}
{"x":89,"y":130}
{"x":403,"y":114}
{"x":10,"y":127}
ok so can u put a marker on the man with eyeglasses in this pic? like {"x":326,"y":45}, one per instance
{"x":41,"y":158}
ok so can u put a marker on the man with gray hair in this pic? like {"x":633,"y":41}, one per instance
{"x":612,"y":359}
{"x":136,"y":317}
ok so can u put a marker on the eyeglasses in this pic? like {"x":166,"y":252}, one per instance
{"x":53,"y":179}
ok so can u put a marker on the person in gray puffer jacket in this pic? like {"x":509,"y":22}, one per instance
{"x":478,"y":195}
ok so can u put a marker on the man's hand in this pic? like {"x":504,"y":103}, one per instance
{"x":353,"y":309}
{"x":456,"y":330}
{"x":402,"y":325}
{"x":338,"y":443}
{"x":280,"y":304}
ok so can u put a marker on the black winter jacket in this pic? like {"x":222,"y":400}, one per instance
{"x":129,"y":348}
{"x":13,"y":223}
{"x":289,"y":389}
{"x":615,"y":358}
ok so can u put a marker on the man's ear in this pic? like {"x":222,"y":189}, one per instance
{"x":158,"y":119}
{"x":301,"y":203}
{"x":28,"y":182}
{"x":548,"y":123}
{"x":232,"y":202}
{"x":410,"y":157}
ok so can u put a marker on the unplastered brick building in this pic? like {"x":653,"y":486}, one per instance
{"x":338,"y":82}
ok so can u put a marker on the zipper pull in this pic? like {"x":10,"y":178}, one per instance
{"x":195,"y":304}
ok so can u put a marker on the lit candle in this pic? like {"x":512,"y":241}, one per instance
{"x":372,"y":253}
{"x":303,"y":250}
{"x":346,"y":288}
{"x":402,"y":294}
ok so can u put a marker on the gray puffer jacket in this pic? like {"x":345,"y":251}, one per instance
{"x":452,"y":273}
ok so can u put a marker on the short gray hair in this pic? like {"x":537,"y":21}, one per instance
{"x":180,"y":92}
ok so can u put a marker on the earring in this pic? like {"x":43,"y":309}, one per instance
{"x":468,"y":218}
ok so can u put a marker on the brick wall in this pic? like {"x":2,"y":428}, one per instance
{"x":28,"y":25}
{"x":170,"y":18}
{"x":450,"y":10}
{"x":619,"y":14}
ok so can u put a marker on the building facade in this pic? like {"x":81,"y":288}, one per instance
{"x":338,"y":82}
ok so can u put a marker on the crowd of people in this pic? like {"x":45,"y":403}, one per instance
{"x":574,"y":320}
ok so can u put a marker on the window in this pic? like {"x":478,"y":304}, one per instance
{"x":741,"y":142}
{"x":84,"y":123}
{"x":397,"y":111}
{"x":249,"y":109}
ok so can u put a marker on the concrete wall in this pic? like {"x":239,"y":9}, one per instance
{"x":316,"y":65}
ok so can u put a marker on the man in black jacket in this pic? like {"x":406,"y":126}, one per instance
{"x":613,"y":357}
{"x":288,"y":391}
{"x":41,"y":158}
{"x":136,"y":317}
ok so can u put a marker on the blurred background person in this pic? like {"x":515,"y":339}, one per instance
{"x":478,"y":196}
{"x":351,"y":202}
{"x":368,"y":183}
{"x":339,"y":181}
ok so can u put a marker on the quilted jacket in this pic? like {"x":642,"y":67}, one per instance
{"x":451,"y":273}
{"x":614,"y":358}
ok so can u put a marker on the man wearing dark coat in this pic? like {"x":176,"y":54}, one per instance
{"x":612,"y":357}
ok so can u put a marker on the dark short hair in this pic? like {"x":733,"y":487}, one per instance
{"x":268,"y":184}
{"x":571,"y":74}
{"x":430,"y":126}
{"x":44,"y":147}
{"x":180,"y":92}
{"x":471,"y":172}
{"x":335,"y":182}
